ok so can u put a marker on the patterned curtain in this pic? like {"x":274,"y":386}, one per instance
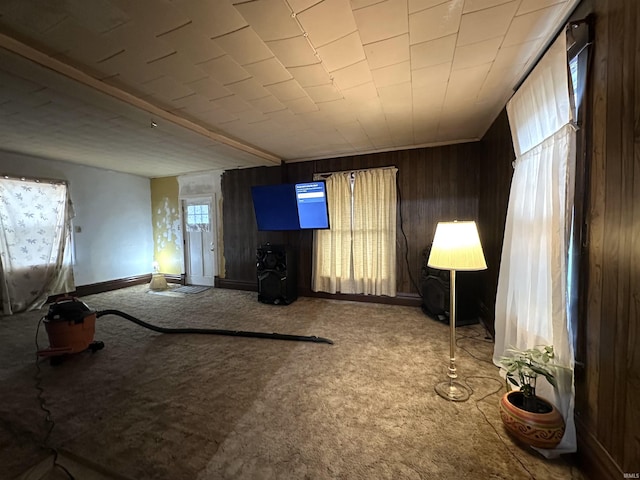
{"x":35,"y":236}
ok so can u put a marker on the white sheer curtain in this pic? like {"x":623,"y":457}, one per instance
{"x":374,"y":232}
{"x":531,"y":301}
{"x":332,"y":254}
{"x":358,"y":253}
{"x":35,"y":236}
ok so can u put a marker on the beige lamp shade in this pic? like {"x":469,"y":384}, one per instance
{"x":456,"y":246}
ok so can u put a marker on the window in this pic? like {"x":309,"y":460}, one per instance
{"x":35,"y":254}
{"x":198,"y":218}
{"x":358,"y":253}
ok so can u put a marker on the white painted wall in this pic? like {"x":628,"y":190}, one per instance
{"x":112,"y":210}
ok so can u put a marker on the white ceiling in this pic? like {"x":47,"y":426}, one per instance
{"x":233,"y":83}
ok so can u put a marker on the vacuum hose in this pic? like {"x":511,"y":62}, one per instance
{"x":215,"y":331}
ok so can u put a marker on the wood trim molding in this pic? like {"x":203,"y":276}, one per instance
{"x":236,"y":284}
{"x":405,"y":299}
{"x":100,"y":287}
{"x":83,"y":290}
{"x":594,"y":459}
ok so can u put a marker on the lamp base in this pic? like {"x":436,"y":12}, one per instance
{"x":452,"y":391}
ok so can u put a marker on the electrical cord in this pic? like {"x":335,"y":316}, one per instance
{"x":406,"y":241}
{"x":475,"y":357}
{"x":477,"y":402}
{"x":48,"y":419}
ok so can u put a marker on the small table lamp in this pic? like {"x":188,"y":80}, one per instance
{"x":456,"y":246}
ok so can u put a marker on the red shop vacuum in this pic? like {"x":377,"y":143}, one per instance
{"x":71,"y":325}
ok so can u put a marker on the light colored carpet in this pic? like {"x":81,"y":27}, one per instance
{"x":155,"y":406}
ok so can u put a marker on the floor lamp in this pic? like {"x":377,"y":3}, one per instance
{"x":456,"y":246}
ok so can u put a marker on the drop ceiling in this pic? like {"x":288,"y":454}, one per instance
{"x":167,"y":87}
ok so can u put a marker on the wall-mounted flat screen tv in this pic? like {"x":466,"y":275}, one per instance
{"x":291,"y":206}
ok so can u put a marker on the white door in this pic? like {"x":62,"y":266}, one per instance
{"x":199,"y":241}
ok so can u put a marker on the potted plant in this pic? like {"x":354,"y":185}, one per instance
{"x":528,"y":417}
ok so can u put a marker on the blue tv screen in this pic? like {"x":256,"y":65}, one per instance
{"x":291,"y":206}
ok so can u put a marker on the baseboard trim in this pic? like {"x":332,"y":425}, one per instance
{"x":593,"y":458}
{"x":405,"y":299}
{"x":109,"y":285}
{"x":100,"y":287}
{"x":237,"y":284}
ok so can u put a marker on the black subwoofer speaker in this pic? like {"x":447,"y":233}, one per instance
{"x":435,"y":289}
{"x":277,"y":274}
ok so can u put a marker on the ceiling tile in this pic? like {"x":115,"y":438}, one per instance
{"x":434,"y":52}
{"x":268,"y":71}
{"x":388,"y":52}
{"x":433,"y":75}
{"x":244,"y":45}
{"x":217,"y":116}
{"x":531,"y":26}
{"x":464,"y":85}
{"x":267,"y":104}
{"x":190,"y":42}
{"x":382,"y":20}
{"x":20,"y":14}
{"x":528,"y":6}
{"x":310,"y":75}
{"x":154,"y":16}
{"x":353,"y":75}
{"x":193,"y":103}
{"x":475,"y":5}
{"x":110,"y":15}
{"x":167,"y":87}
{"x":289,"y":90}
{"x":357,"y":4}
{"x":211,"y":18}
{"x":361,"y":93}
{"x":293,"y":52}
{"x":224,"y":69}
{"x":354,"y":134}
{"x":342,"y":53}
{"x":130,"y":65}
{"x":435,"y":22}
{"x":177,"y":67}
{"x":209,"y":88}
{"x":323,"y":93}
{"x":484,"y":24}
{"x":392,"y":75}
{"x":476,"y":53}
{"x":399,"y":94}
{"x":327,"y":21}
{"x":499,"y":80}
{"x":248,"y":89}
{"x":427,"y":100}
{"x":271,"y":19}
{"x":516,"y":54}
{"x":301,"y":105}
{"x":233,"y":104}
{"x":301,"y":5}
{"x":417,"y":5}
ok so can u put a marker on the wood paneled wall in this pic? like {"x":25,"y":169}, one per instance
{"x":495,"y":177}
{"x":435,"y":184}
{"x":607,"y":395}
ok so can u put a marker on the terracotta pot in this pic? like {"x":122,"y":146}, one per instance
{"x":541,"y":430}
